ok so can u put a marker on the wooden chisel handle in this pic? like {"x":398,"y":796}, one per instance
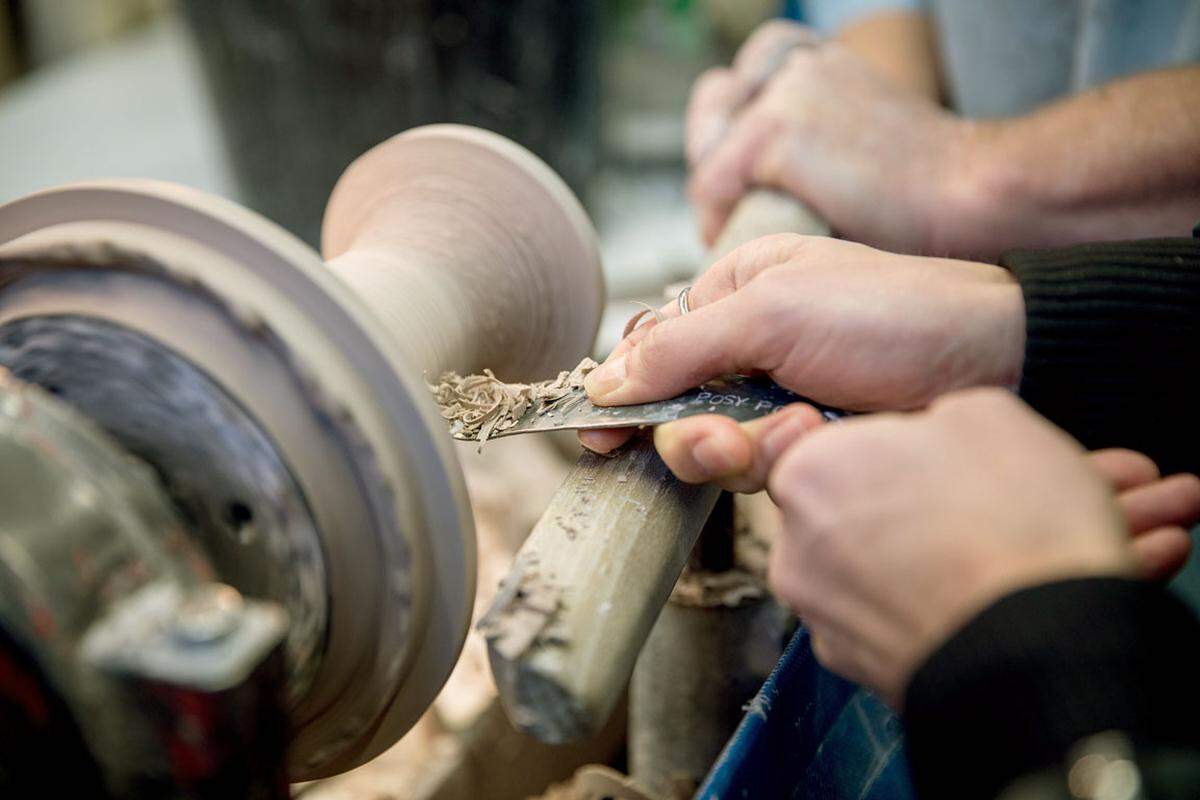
{"x":761,"y":213}
{"x":569,"y":621}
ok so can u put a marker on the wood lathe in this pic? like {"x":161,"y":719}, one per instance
{"x":240,"y":513}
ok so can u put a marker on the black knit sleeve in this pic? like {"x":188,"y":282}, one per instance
{"x":1014,"y":689}
{"x":1113,"y":344}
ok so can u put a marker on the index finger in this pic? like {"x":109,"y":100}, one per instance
{"x":718,"y":94}
{"x":726,"y":276}
{"x":764,"y":52}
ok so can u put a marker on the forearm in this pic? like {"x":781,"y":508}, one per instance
{"x":899,"y":45}
{"x":1118,"y":162}
{"x":1035,"y":673}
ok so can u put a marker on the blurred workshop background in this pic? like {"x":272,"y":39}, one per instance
{"x":266,"y":103}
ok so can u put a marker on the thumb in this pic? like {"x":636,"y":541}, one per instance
{"x":677,"y":354}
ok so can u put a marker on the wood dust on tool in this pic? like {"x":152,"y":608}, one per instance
{"x":479,"y":406}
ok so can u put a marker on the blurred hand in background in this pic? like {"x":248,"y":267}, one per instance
{"x":814,"y":120}
{"x":852,"y":127}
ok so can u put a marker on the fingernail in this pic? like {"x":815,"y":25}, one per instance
{"x":604,"y":441}
{"x":593,"y":442}
{"x":605,"y":378}
{"x":790,"y":427}
{"x":714,"y":458}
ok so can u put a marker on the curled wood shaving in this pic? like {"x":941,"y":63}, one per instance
{"x":480,"y":406}
{"x":636,"y":319}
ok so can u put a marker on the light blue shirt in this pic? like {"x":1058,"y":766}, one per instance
{"x":1005,"y":57}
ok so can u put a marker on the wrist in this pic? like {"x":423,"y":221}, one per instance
{"x":979,"y":194}
{"x":1041,"y":668}
{"x":1007,"y":335}
{"x":991,"y":327}
{"x":965,"y":599}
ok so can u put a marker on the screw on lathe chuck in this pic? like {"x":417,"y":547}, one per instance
{"x":209,"y":613}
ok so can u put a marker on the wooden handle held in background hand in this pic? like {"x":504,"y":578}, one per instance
{"x":567,"y":624}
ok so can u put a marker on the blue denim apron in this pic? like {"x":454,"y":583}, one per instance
{"x":809,"y":734}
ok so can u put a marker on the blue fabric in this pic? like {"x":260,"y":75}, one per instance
{"x":809,"y":734}
{"x":1007,"y":57}
{"x":830,"y":16}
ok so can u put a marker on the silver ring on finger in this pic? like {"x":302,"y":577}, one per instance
{"x":682,"y":300}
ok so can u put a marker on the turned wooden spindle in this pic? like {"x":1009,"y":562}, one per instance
{"x":604,"y":557}
{"x":473,"y":254}
{"x":471,"y":251}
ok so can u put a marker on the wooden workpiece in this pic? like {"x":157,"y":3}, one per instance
{"x":472,"y":254}
{"x":470,"y":251}
{"x":568,"y":622}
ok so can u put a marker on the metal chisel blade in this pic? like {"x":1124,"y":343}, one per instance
{"x":737,"y":397}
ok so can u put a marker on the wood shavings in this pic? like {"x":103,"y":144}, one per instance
{"x":755,"y":520}
{"x":480,"y":406}
{"x":703,"y":589}
{"x":636,"y":319}
{"x":523,"y":610}
{"x":597,"y":782}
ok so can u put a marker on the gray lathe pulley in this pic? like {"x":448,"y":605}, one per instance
{"x":282,"y":410}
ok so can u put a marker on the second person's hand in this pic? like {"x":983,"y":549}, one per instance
{"x":810,"y":118}
{"x":899,"y":528}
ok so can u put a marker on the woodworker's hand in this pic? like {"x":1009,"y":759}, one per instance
{"x":1158,"y":511}
{"x":897,"y":529}
{"x":883,"y":165}
{"x":840,"y":323}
